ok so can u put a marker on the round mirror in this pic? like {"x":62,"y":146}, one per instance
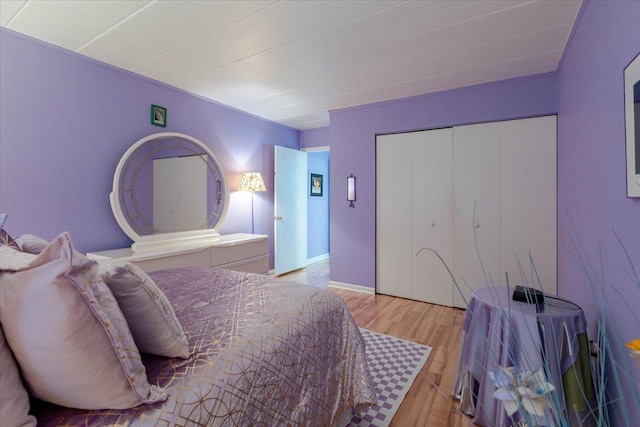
{"x":168,"y":188}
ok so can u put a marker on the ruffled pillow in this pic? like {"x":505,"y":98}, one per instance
{"x":149,"y":313}
{"x":68,"y":335}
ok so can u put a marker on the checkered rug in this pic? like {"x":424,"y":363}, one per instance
{"x":394,"y":364}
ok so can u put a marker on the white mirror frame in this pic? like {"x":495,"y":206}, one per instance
{"x":165,"y":242}
{"x":632,"y":124}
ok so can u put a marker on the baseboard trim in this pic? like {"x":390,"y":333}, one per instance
{"x":318,"y":258}
{"x":350,"y":287}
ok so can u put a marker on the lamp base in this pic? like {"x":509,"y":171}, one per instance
{"x":252,"y":223}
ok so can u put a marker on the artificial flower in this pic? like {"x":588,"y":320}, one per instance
{"x":525,"y":388}
{"x":635,"y":347}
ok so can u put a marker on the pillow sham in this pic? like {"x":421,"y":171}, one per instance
{"x":14,"y":400}
{"x":149,"y":313}
{"x":68,"y":335}
{"x":31,"y":243}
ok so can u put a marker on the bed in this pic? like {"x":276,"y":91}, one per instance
{"x":262,"y":352}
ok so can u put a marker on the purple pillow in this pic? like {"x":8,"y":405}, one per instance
{"x":150,"y":316}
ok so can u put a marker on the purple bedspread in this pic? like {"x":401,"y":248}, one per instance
{"x":264,"y":352}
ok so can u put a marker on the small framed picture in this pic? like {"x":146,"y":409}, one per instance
{"x":316,"y":185}
{"x":158,"y":116}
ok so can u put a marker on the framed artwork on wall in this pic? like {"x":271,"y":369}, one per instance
{"x":315,"y":181}
{"x":632,"y":125}
{"x":158,"y":115}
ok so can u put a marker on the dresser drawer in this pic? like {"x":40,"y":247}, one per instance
{"x":229,"y":254}
{"x":200,"y":258}
{"x":240,"y":252}
{"x":259,"y":265}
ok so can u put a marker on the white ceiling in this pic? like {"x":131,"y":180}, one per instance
{"x":293,"y":61}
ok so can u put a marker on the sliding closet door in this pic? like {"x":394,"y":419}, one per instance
{"x":529,"y":201}
{"x":481,"y":197}
{"x":432,"y":221}
{"x":394,"y":215}
{"x":476,"y":208}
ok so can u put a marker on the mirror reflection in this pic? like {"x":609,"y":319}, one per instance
{"x":171,"y":184}
{"x":632,"y":125}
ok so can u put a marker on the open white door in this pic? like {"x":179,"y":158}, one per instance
{"x":290,"y":210}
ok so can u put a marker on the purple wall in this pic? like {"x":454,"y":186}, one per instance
{"x":318,"y":137}
{"x":591,"y":158}
{"x":353,"y":134}
{"x":67,"y":119}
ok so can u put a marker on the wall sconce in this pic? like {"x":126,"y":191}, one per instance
{"x":252,"y":181}
{"x":351,"y":190}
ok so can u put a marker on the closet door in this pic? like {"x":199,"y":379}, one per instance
{"x":529,"y":201}
{"x":394,"y":215}
{"x":476,"y":209}
{"x":432,"y":216}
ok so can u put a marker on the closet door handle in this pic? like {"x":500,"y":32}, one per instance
{"x":476,"y":225}
{"x":432,"y":225}
{"x":277,"y":217}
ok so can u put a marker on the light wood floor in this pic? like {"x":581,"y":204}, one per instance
{"x":429,"y":401}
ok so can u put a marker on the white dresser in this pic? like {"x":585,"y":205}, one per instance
{"x":239,"y":252}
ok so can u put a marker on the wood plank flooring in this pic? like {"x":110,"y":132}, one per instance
{"x":429,"y":401}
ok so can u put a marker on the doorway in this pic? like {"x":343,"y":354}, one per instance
{"x":301,"y":210}
{"x":318,"y":220}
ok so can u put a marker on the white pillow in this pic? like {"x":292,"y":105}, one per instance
{"x":14,"y":400}
{"x":149,"y":313}
{"x":68,"y":335}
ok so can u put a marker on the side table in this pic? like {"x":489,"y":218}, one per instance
{"x":501,"y":332}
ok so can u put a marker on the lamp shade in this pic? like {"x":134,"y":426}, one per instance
{"x":252,"y":181}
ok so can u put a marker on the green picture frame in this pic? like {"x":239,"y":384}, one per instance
{"x":158,"y":115}
{"x":315,"y":185}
